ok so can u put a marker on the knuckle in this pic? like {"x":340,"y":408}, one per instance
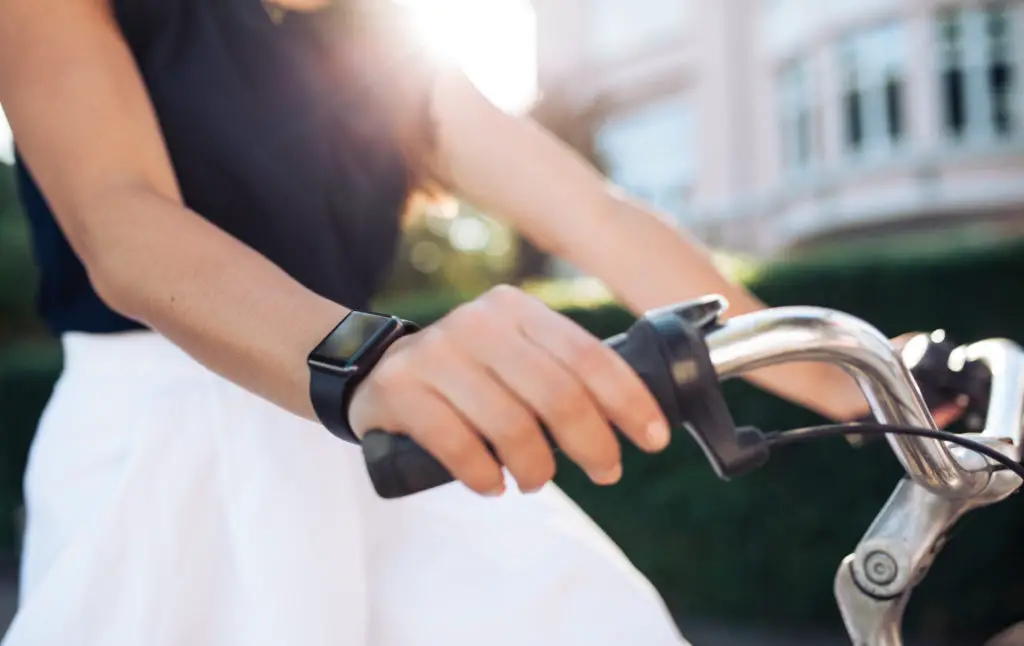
{"x":392,"y":374}
{"x":471,"y":464}
{"x":623,"y":404}
{"x":504,"y":296}
{"x":433,"y":343}
{"x":461,"y":451}
{"x":471,"y":316}
{"x":588,"y":357}
{"x":564,"y":402}
{"x":515,"y":420}
{"x":515,"y":437}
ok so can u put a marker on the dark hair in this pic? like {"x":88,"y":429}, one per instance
{"x":404,"y":77}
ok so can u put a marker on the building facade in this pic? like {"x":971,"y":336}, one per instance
{"x":766,"y":124}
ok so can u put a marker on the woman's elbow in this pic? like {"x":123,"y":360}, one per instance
{"x":115,"y":289}
{"x":112,"y":247}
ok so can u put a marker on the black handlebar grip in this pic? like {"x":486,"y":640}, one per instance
{"x":399,"y":467}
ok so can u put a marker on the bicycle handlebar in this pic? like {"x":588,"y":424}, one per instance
{"x":787,"y":334}
{"x":666,"y":349}
{"x":683,"y":351}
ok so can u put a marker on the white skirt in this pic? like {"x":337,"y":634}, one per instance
{"x":169,"y":507}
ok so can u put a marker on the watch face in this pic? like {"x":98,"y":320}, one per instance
{"x":342,"y":348}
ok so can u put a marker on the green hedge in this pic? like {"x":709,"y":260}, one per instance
{"x":764,"y":548}
{"x":27,"y":373}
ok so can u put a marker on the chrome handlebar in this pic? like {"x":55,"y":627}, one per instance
{"x":874,"y":583}
{"x":788,"y":334}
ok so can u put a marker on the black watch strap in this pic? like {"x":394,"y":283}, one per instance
{"x":330,"y":409}
{"x":330,"y":390}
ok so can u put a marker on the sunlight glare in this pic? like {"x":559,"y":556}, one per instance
{"x":493,"y":41}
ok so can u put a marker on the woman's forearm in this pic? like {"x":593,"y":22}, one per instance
{"x":220,"y":301}
{"x":87,"y":130}
{"x":649,"y":263}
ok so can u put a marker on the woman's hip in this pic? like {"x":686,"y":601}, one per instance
{"x":146,"y":463}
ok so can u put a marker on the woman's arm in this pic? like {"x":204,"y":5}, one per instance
{"x":84,"y":124}
{"x":515,"y":169}
{"x":490,"y":369}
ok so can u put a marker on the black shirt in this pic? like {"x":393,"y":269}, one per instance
{"x":275,"y":136}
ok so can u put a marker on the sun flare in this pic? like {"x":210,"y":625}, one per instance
{"x":493,"y":41}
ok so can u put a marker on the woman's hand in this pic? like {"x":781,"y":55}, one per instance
{"x":945,"y":414}
{"x":491,"y":369}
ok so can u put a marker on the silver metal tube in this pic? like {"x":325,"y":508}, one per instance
{"x":786,"y":334}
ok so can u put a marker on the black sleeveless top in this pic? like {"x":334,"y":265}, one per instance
{"x":274,"y":136}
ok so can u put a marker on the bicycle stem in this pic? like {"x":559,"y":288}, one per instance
{"x":873,"y":584}
{"x":788,"y":334}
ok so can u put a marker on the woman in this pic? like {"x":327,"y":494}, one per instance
{"x":213,"y":187}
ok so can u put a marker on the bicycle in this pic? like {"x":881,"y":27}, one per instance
{"x":683,"y":352}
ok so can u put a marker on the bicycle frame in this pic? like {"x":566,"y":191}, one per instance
{"x":874,"y":583}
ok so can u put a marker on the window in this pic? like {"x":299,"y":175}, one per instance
{"x":797,"y":109}
{"x":977,"y":77}
{"x":620,"y":27}
{"x":783,"y":21}
{"x":1000,"y":70}
{"x":873,"y":81}
{"x":649,"y":153}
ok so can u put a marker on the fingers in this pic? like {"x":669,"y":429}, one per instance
{"x":614,"y":385}
{"x":489,"y":373}
{"x":492,"y":409}
{"x":947,"y":414}
{"x":394,"y":398}
{"x":571,"y":380}
{"x":560,"y":400}
{"x":899,"y":341}
{"x":446,"y":436}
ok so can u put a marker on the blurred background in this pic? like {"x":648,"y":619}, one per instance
{"x":866,"y":156}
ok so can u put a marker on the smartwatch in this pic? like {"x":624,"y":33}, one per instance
{"x":343,"y":359}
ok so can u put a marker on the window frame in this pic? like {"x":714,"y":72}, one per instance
{"x":867,"y":84}
{"x":973,"y":57}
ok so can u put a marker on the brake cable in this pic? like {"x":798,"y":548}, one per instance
{"x":778,"y":438}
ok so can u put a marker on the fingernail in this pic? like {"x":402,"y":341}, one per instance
{"x":611,"y":476}
{"x":495,"y":492}
{"x":658,"y":435}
